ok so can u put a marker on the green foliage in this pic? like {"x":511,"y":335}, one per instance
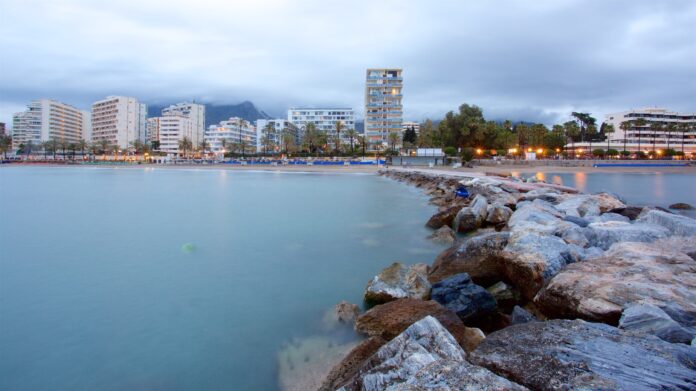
{"x":450,"y":151}
{"x":612,"y":152}
{"x":641,"y":155}
{"x":467,"y":154}
{"x":670,"y":152}
{"x":625,"y":153}
{"x":598,"y":152}
{"x":410,"y":135}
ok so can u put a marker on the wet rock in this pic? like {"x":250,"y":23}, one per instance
{"x":520,"y":315}
{"x":577,"y":220}
{"x":532,"y":259}
{"x":424,"y":354}
{"x":628,"y":273}
{"x":391,"y":319}
{"x":346,"y":312}
{"x":573,"y":354}
{"x":603,"y":235}
{"x":398,"y":281}
{"x":497,"y":214}
{"x":474,"y":305}
{"x":649,"y":319}
{"x":303,"y":364}
{"x":681,"y":206}
{"x":505,"y":296}
{"x":676,"y":224}
{"x":480,"y":256}
{"x":443,"y":218}
{"x":351,"y":363}
{"x":444,"y":235}
{"x":632,"y":212}
{"x":471,"y":217}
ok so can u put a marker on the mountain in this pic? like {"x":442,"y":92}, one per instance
{"x":216,"y":113}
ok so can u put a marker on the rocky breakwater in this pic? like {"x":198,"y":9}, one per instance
{"x":544,"y":288}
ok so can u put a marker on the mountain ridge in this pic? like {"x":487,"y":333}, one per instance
{"x":215,"y":113}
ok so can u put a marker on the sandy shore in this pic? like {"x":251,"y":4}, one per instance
{"x":502,"y":169}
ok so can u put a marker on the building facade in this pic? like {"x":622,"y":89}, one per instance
{"x":194,"y":111}
{"x":409,"y":124}
{"x":46,"y":119}
{"x":235,"y":132}
{"x":275,"y":135}
{"x":171,"y":129}
{"x":324,"y":119}
{"x":383,"y":104}
{"x":153,"y":127}
{"x":119,"y":120}
{"x":3,"y":131}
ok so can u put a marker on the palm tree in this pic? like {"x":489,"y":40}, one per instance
{"x":266,"y":138}
{"x":104,"y":147}
{"x":288,"y":139}
{"x":93,"y":149}
{"x":82,"y":146}
{"x":684,"y":127}
{"x":669,"y":129}
{"x":393,"y":140}
{"x":362,"y":140}
{"x":608,"y":130}
{"x":63,"y":146}
{"x":46,"y":146}
{"x":338,"y":129}
{"x":352,"y":134}
{"x":590,"y":130}
{"x":224,"y":143}
{"x":655,"y":127}
{"x":73,"y":148}
{"x":185,"y":145}
{"x":5,"y":144}
{"x":640,"y":122}
{"x":115,"y":148}
{"x":625,"y":127}
{"x":203,"y":146}
{"x":571,"y":131}
{"x":311,"y":136}
{"x":242,"y":142}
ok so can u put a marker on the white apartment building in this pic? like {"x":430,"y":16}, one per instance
{"x":276,"y":134}
{"x":194,"y":111}
{"x":119,"y":120}
{"x":173,"y":128}
{"x":409,"y":124}
{"x":383,"y":104}
{"x":235,"y":131}
{"x":47,"y":119}
{"x":153,"y":128}
{"x":324,"y":119}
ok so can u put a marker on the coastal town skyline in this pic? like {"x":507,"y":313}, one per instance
{"x":524,"y":74}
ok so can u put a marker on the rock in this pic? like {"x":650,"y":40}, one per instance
{"x":613,"y":217}
{"x":580,"y":206}
{"x":391,"y":319}
{"x":444,"y":234}
{"x":471,"y":217}
{"x":474,"y":305}
{"x":628,"y":273}
{"x":497,"y":214}
{"x":573,"y":354}
{"x":576,"y":235}
{"x":532,"y":259}
{"x":681,"y":206}
{"x":632,"y":212}
{"x":543,"y":194}
{"x":648,"y":319}
{"x":603,"y":235}
{"x":505,"y":296}
{"x":346,"y":312}
{"x":577,"y":220}
{"x":351,"y":363}
{"x":540,"y":217}
{"x":505,"y":199}
{"x":676,"y":224}
{"x":425,"y":353}
{"x":520,"y":315}
{"x":480,"y":256}
{"x":443,"y":218}
{"x":398,"y":281}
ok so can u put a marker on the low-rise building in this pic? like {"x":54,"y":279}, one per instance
{"x":324,"y":119}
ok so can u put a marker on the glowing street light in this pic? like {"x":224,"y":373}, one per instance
{"x":479,"y":151}
{"x":540,"y":151}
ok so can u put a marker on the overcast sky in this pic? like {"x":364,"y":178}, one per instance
{"x":523,"y":60}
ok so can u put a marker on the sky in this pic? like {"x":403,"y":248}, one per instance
{"x":517,"y":59}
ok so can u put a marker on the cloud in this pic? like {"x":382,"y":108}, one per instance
{"x":522,"y":60}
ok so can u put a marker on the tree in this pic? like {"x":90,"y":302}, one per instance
{"x":584,"y":121}
{"x":639,"y":123}
{"x":608,"y":130}
{"x":669,"y":129}
{"x":362,"y":140}
{"x":63,"y":144}
{"x":625,"y":127}
{"x":428,"y":137}
{"x":203,"y":146}
{"x":155,"y":145}
{"x":571,"y":131}
{"x":655,"y":127}
{"x":288,"y":140}
{"x":5,"y":144}
{"x":590,"y":131}
{"x":410,"y":136}
{"x":72,"y":147}
{"x":352,"y":134}
{"x":242,"y":142}
{"x":185,"y":145}
{"x":684,"y":127}
{"x":338,"y":129}
{"x":52,"y":146}
{"x":82,"y":146}
{"x":267,"y":138}
{"x":393,"y":139}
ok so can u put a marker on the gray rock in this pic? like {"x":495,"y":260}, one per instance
{"x":676,"y":224}
{"x":576,"y":235}
{"x":540,"y":217}
{"x":471,"y":217}
{"x":577,"y":220}
{"x":444,"y":235}
{"x":474,"y":305}
{"x":543,"y":194}
{"x":577,"y":355}
{"x":520,"y":315}
{"x":649,"y":319}
{"x":505,"y":296}
{"x":498,"y":213}
{"x":425,"y":353}
{"x":603,"y":235}
{"x":479,"y":255}
{"x":613,"y":217}
{"x":581,"y":205}
{"x":398,"y":281}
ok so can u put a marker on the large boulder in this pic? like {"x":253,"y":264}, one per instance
{"x":581,"y":205}
{"x":628,"y":273}
{"x":424,"y":356}
{"x":531,"y":259}
{"x":676,"y":224}
{"x":681,"y":206}
{"x":577,"y":355}
{"x":498,"y":214}
{"x":540,"y":217}
{"x":444,"y":217}
{"x":520,"y":315}
{"x":471,"y":217}
{"x":604,"y":234}
{"x":649,"y":319}
{"x":351,"y":363}
{"x":474,"y":305}
{"x":398,"y":281}
{"x":443,"y":235}
{"x":480,"y":256}
{"x":391,"y":319}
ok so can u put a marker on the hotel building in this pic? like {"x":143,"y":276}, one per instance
{"x":194,"y":111}
{"x":325,"y":119}
{"x":383,"y":104}
{"x":46,"y":119}
{"x":234,"y":131}
{"x":153,"y":127}
{"x":276,"y":134}
{"x":119,"y":120}
{"x":171,"y":129}
{"x":676,"y":129}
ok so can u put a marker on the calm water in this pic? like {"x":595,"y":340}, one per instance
{"x":657,"y":188}
{"x":99,"y":289}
